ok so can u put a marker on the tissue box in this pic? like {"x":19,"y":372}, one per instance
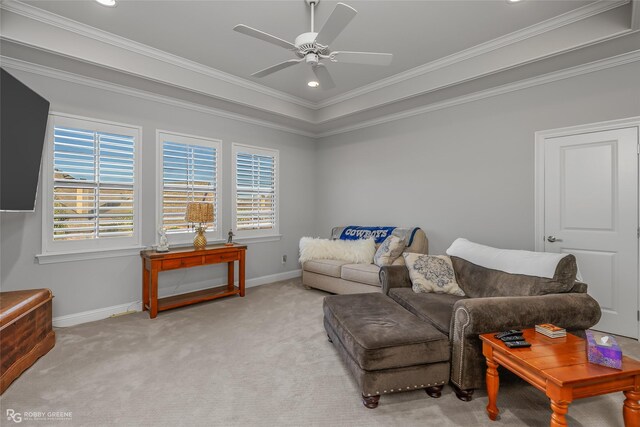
{"x":610,"y":356}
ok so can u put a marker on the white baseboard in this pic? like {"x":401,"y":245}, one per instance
{"x":93,"y":315}
{"x":103,"y":313}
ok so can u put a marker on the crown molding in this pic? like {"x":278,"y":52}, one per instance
{"x":79,"y":28}
{"x":554,"y":23}
{"x":591,"y":67}
{"x":476,"y":96}
{"x":42,"y":70}
{"x":581,"y":13}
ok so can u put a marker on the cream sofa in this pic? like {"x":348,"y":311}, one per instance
{"x":341,"y":277}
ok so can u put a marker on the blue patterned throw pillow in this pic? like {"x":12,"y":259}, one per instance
{"x":432,"y":273}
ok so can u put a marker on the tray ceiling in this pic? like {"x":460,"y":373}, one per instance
{"x":416,"y":32}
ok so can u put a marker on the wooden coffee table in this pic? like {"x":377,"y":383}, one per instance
{"x":559,"y":368}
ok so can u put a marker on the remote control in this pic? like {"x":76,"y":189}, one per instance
{"x":513,"y":338}
{"x":517,"y":344}
{"x":508,"y":333}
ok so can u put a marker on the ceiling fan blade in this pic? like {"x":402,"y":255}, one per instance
{"x":277,"y":67}
{"x":368,"y":58}
{"x":241,"y":28}
{"x":337,"y":21}
{"x":323,"y":76}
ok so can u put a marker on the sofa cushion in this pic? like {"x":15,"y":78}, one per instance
{"x":379,"y":334}
{"x":328,"y":267}
{"x":436,"y":309}
{"x":361,"y":273}
{"x":432,"y":273}
{"x":480,"y":282}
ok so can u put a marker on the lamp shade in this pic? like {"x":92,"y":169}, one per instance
{"x":199,"y":212}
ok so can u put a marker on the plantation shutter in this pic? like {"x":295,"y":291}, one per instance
{"x":93,"y":184}
{"x":189,"y":174}
{"x":255,"y":176}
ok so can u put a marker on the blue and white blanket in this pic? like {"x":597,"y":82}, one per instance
{"x":354,"y":232}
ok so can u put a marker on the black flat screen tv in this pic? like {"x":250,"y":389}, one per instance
{"x":23,"y":125}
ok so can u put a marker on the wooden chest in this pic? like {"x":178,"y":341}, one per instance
{"x":26,"y":333}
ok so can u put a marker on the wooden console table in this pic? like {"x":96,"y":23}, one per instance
{"x":154,"y":262}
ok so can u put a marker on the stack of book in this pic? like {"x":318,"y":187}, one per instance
{"x":552,"y":331}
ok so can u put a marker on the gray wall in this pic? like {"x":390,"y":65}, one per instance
{"x":86,"y":285}
{"x":465,"y":171}
{"x":462,"y":171}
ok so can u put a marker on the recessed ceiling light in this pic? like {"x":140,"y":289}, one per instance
{"x":110,"y":3}
{"x":313,"y":83}
{"x":514,"y":1}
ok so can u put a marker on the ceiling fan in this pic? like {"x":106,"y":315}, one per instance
{"x":313,"y":47}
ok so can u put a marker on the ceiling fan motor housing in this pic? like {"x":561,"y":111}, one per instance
{"x":306,"y":42}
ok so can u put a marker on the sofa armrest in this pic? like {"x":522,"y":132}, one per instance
{"x":394,"y":276}
{"x":474,"y":316}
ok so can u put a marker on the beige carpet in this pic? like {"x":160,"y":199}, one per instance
{"x":262,"y":360}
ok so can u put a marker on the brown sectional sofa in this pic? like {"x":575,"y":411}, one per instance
{"x":401,"y":340}
{"x":341,"y":277}
{"x":495,"y":301}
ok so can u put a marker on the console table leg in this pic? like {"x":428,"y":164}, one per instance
{"x":230,"y":278}
{"x":631,"y":409}
{"x":145,"y":286}
{"x":493,"y":384}
{"x":153,"y":291}
{"x":560,"y":409}
{"x":241,"y":272}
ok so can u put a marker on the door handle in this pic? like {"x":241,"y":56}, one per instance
{"x":552,"y":239}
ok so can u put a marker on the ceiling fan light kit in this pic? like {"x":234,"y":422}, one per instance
{"x":313,"y":48}
{"x":108,"y":3}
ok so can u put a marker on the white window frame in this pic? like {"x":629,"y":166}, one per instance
{"x":248,"y":235}
{"x":213,"y":236}
{"x":58,"y":250}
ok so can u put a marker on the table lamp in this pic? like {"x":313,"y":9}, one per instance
{"x":199,"y":213}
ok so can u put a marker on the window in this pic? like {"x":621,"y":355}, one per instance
{"x":91,"y":179}
{"x":255,"y":191}
{"x":189,"y":172}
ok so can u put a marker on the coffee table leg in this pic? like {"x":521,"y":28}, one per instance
{"x":493,"y":383}
{"x":631,"y":409}
{"x":560,"y":409}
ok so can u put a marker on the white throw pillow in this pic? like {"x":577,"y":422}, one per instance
{"x":353,"y":251}
{"x":432,"y":273}
{"x":388,"y":251}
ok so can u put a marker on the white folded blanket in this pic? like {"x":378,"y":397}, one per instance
{"x":541,"y":264}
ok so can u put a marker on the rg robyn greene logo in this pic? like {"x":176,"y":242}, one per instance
{"x":18,"y":417}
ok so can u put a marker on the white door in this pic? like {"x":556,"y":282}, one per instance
{"x":591,"y":211}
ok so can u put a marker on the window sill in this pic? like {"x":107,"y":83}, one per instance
{"x":258,"y":239}
{"x":56,"y":257}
